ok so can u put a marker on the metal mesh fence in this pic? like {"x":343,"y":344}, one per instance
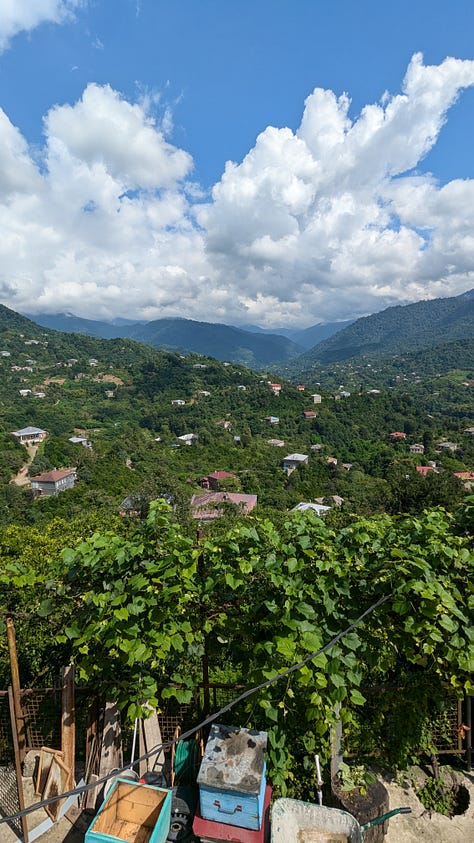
{"x":42,"y":711}
{"x":446,"y":728}
{"x":9,"y":801}
{"x":6,"y":740}
{"x":390,"y":718}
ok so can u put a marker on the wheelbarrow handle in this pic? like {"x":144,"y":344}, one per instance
{"x":384,"y":817}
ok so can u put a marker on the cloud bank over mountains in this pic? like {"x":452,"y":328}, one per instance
{"x":328,"y":222}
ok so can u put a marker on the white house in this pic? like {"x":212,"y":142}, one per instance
{"x":80,"y":440}
{"x":188,"y":438}
{"x":318,"y":508}
{"x":275,"y":388}
{"x":292,"y":461}
{"x":30,"y":435}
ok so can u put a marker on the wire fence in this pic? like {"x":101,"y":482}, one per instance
{"x":42,"y":718}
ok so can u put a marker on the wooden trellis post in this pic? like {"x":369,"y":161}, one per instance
{"x":19,"y":718}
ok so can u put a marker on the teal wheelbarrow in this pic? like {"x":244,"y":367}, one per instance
{"x":293,"y":821}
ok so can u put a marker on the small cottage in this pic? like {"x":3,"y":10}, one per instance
{"x":30,"y":435}
{"x":304,"y":506}
{"x":213,"y":481}
{"x":293,"y":461}
{"x":53,"y":482}
{"x":188,"y":438}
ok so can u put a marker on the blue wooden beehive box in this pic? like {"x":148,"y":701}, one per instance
{"x":232,"y":777}
{"x":132,"y":813}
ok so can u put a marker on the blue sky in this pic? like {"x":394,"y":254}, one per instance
{"x":119,"y":118}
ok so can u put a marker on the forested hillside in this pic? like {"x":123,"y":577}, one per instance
{"x":119,"y":396}
{"x":224,"y":342}
{"x":400,"y":369}
{"x":399,"y":330}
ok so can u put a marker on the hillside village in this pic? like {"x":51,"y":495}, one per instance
{"x":186,"y":416}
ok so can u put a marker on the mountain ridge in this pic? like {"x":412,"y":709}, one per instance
{"x":398,"y":329}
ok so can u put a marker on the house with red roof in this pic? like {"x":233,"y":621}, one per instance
{"x":467,"y":478}
{"x":53,"y":482}
{"x":464,"y":475}
{"x":425,"y":469}
{"x":213,"y":481}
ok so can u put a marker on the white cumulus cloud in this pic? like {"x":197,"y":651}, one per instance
{"x":331,"y":216}
{"x":101,"y":224}
{"x":330,"y":221}
{"x":24,"y":15}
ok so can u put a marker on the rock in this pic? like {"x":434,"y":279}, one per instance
{"x":30,"y":764}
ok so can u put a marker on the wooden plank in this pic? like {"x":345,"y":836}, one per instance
{"x":89,"y":798}
{"x":56,"y":783}
{"x":111,"y":756}
{"x":92,"y":794}
{"x":68,"y":722}
{"x":46,"y":756}
{"x":153,"y":738}
{"x":92,"y":736}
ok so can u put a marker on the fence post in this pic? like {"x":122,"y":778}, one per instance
{"x":19,"y":780}
{"x":19,"y":718}
{"x":336,"y":743}
{"x":68,"y":721}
